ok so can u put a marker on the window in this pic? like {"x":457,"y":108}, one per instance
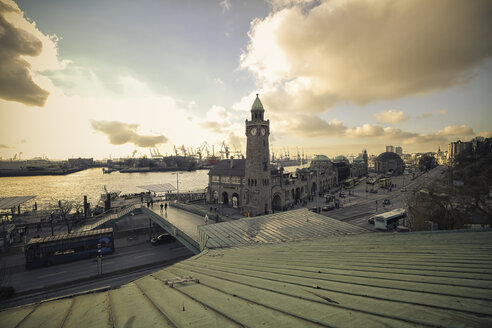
{"x":215,"y":178}
{"x":226,"y":179}
{"x":236,"y":180}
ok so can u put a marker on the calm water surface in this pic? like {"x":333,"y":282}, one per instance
{"x":49,"y":189}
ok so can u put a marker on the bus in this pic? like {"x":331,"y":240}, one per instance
{"x":349,"y":183}
{"x":389,"y":220}
{"x":385,"y":182}
{"x":68,"y":247}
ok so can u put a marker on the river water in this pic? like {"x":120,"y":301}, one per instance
{"x":49,"y":189}
{"x":91,"y":182}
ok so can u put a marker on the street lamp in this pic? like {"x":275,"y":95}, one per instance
{"x":177,"y":184}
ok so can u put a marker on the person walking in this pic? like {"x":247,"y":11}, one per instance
{"x":162,"y":208}
{"x":206,"y":218}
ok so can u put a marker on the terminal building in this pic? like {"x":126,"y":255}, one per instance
{"x":256,"y":187}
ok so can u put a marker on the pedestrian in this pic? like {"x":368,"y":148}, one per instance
{"x":206,"y":218}
{"x":152,"y":202}
{"x":162,"y":208}
{"x":148,"y":204}
{"x":165,"y":207}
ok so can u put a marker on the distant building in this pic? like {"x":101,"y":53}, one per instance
{"x":359,"y":166}
{"x":390,"y":149}
{"x":457,"y":148}
{"x":254,"y":186}
{"x":81,"y":162}
{"x":389,"y":162}
{"x":399,"y":150}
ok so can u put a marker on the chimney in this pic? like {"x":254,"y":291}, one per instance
{"x":232,"y":162}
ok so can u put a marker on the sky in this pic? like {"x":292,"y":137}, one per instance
{"x":114,"y":78}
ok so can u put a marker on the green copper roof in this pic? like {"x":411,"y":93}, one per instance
{"x":257,"y":105}
{"x":367,"y":280}
{"x":320,"y":158}
{"x":340,"y":158}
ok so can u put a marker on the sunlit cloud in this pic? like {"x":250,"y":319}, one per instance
{"x":456,"y":130}
{"x":442,"y":111}
{"x":316,"y":54}
{"x":16,"y":82}
{"x":5,"y":146}
{"x":120,"y":133}
{"x":485,"y":134}
{"x":392,"y":116}
{"x":24,"y":53}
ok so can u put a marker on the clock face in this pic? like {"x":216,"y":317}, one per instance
{"x":263,"y":131}
{"x":253,"y":131}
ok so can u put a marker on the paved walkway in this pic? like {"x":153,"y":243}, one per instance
{"x":181,"y":219}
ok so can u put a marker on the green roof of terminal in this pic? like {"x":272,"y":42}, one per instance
{"x":319,"y":158}
{"x":441,"y":279}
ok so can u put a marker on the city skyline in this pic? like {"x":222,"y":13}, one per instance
{"x":96,"y":79}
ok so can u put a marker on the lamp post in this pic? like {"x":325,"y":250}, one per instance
{"x":177,"y":184}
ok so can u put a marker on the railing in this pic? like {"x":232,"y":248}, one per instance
{"x":109,"y":217}
{"x":186,"y":240}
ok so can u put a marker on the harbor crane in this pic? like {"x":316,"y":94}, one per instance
{"x":224,"y":150}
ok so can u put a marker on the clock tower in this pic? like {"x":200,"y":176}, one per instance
{"x":258,"y":195}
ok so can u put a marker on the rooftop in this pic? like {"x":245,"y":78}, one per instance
{"x":223,"y":167}
{"x":273,"y":228}
{"x":387,"y":155}
{"x":367,"y":280}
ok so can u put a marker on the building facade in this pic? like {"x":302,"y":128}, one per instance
{"x":256,"y":187}
{"x":389,"y":162}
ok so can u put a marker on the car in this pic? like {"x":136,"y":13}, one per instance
{"x":342,"y":195}
{"x":386,"y":201}
{"x":165,"y":238}
{"x":403,"y":189}
{"x":328,"y":207}
{"x":371,"y":220}
{"x":374,"y":191}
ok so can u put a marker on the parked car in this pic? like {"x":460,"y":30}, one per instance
{"x":371,"y":220}
{"x":165,"y":238}
{"x":404,"y":189}
{"x":386,"y":201}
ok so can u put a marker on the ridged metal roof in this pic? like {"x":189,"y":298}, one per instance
{"x":365,"y":280}
{"x":7,"y":203}
{"x":273,"y":228}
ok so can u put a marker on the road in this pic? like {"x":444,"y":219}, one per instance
{"x":124,"y":265}
{"x":360,"y":205}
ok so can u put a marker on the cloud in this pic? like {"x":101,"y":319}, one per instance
{"x":442,"y":111}
{"x":217,"y":120}
{"x":225,"y":5}
{"x":313,"y":126}
{"x":16,"y":82}
{"x":485,"y":134}
{"x":120,"y":133}
{"x":392,"y":116}
{"x":312,"y":55}
{"x":455,"y":130}
{"x":425,"y":115}
{"x":5,"y":146}
{"x":364,"y":131}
